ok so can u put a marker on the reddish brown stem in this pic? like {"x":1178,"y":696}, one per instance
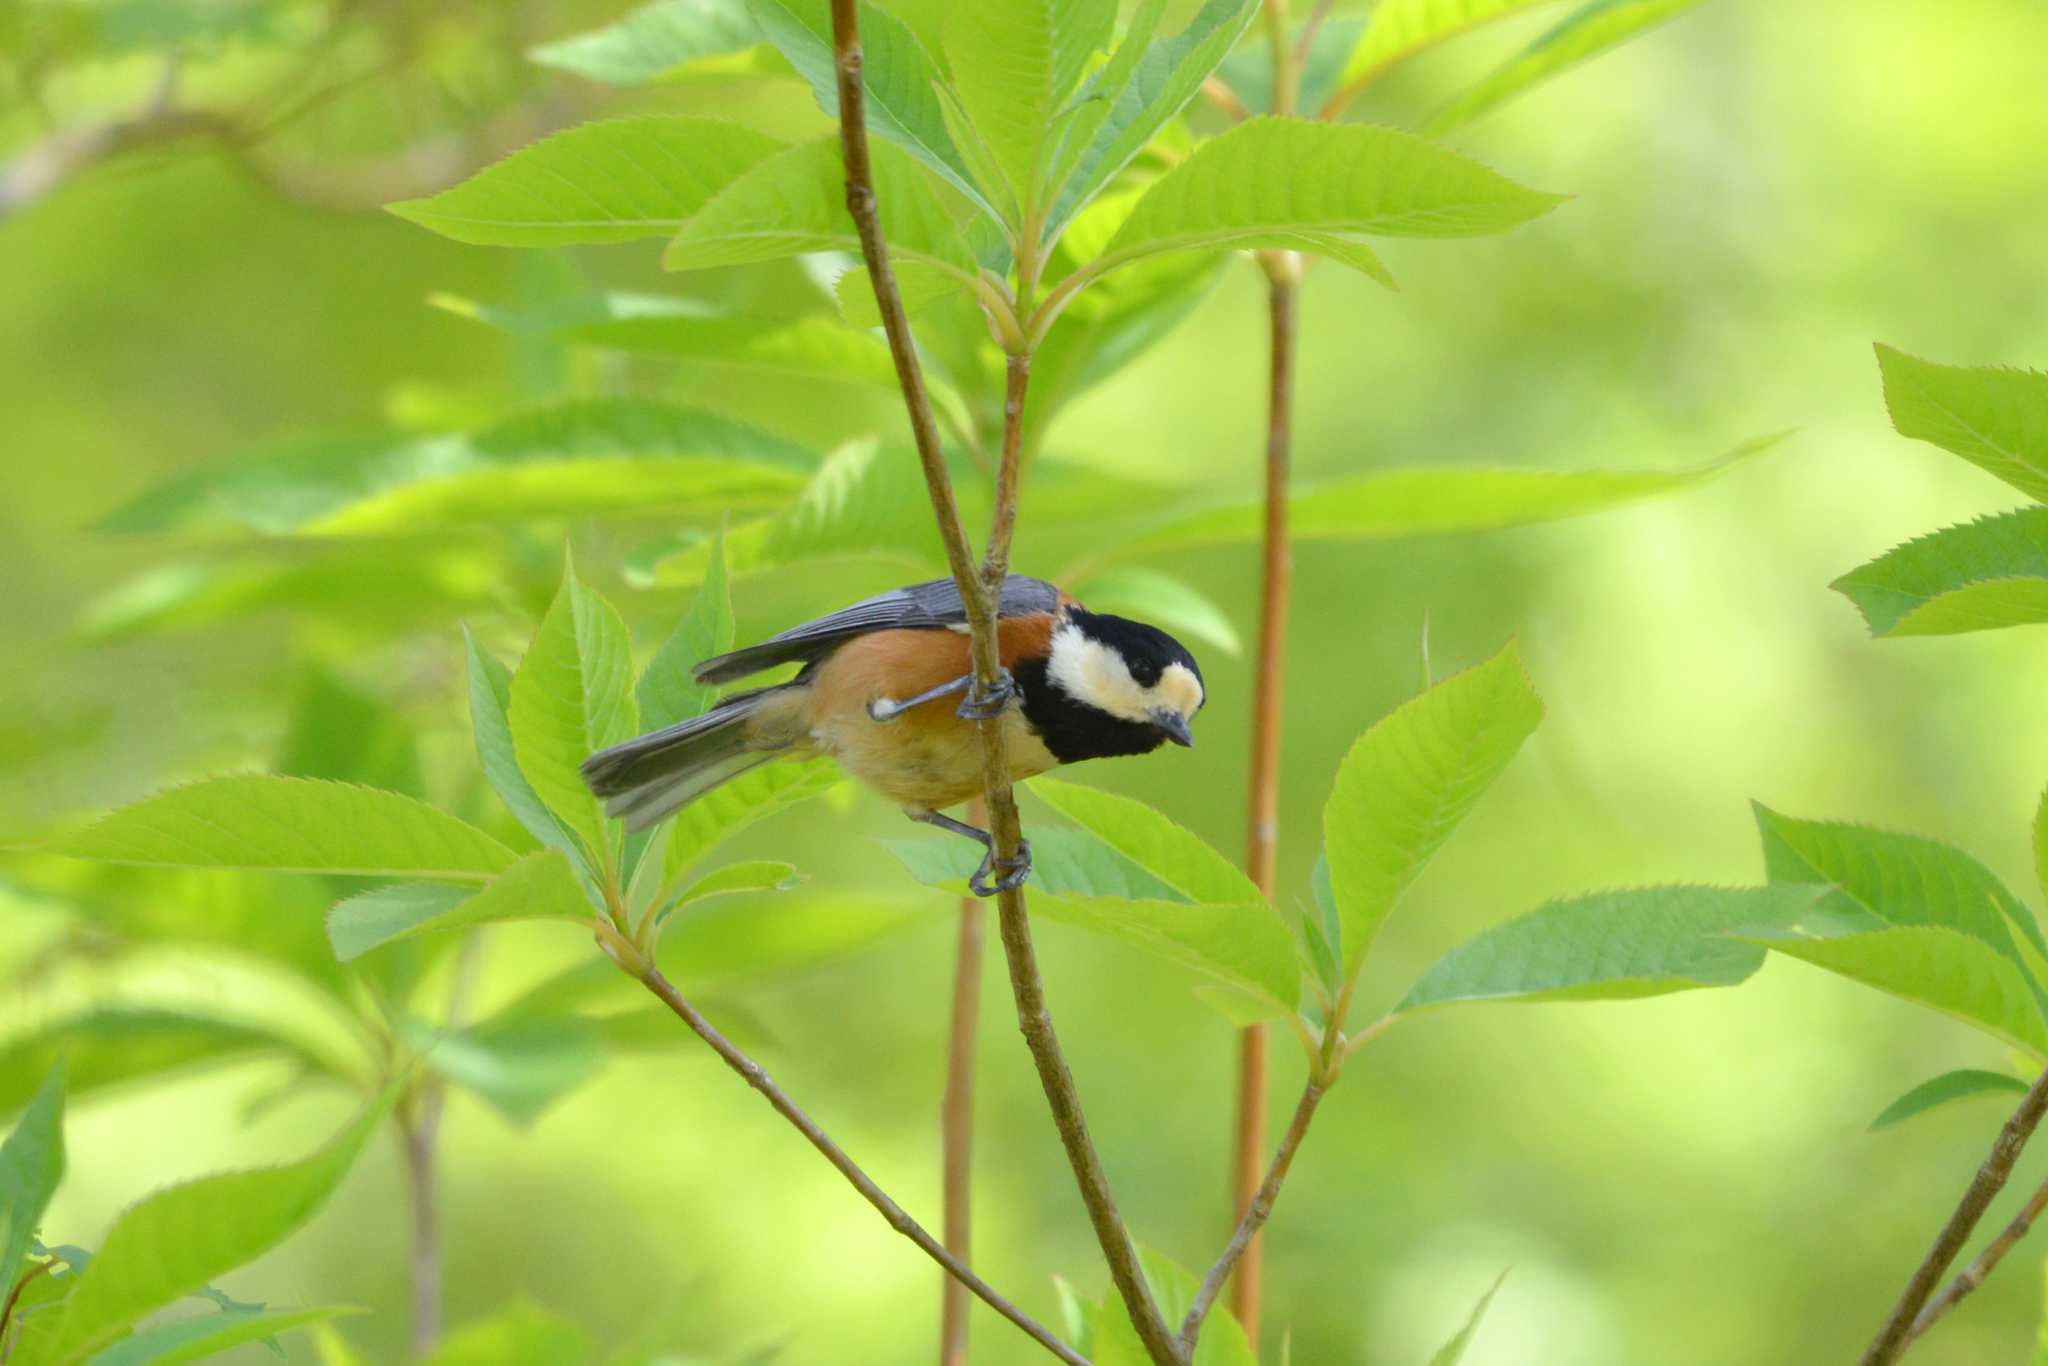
{"x":956,"y":1118}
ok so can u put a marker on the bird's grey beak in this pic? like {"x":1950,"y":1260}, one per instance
{"x":1175,"y":726}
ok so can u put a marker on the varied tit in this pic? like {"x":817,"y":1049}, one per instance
{"x":877,"y":692}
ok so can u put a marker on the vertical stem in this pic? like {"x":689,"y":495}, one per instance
{"x":1262,"y":816}
{"x":956,"y":1120}
{"x":418,"y":1139}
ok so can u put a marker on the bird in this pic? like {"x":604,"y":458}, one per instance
{"x":876,"y":693}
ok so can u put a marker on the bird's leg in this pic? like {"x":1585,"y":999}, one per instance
{"x":888,"y":708}
{"x":1014,"y":871}
{"x":976,"y":706}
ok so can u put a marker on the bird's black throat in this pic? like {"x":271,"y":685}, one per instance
{"x":1072,"y":729}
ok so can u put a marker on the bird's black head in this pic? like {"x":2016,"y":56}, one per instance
{"x":1111,"y":686}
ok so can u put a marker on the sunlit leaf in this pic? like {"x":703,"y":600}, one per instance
{"x":1164,"y":601}
{"x":523,"y":1335}
{"x":1409,"y":780}
{"x":616,"y":180}
{"x":31,"y":1168}
{"x":175,"y":1241}
{"x":1453,"y":1352}
{"x":109,"y":1045}
{"x":490,"y":697}
{"x":520,"y":1067}
{"x":723,"y":812}
{"x":572,"y":696}
{"x":1064,"y":862}
{"x":1949,"y":1087}
{"x":668,"y":691}
{"x":202,"y":1336}
{"x":1588,"y":32}
{"x":1995,"y":418}
{"x":1613,"y":946}
{"x":759,"y":875}
{"x":652,"y":42}
{"x":1014,"y":65}
{"x":809,"y":348}
{"x":540,"y":886}
{"x":291,"y":825}
{"x":1167,"y":851}
{"x":1402,"y":28}
{"x":1980,"y":576}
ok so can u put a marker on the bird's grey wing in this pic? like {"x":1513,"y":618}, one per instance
{"x":920,"y":607}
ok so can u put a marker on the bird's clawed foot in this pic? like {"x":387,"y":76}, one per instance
{"x":1015,"y":872}
{"x":987,"y":704}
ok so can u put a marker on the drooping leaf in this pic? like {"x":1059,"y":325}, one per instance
{"x":109,"y":1045}
{"x":1436,"y":501}
{"x":202,"y":1336}
{"x":31,"y":1167}
{"x":1410,"y":779}
{"x":540,"y":886}
{"x":519,"y":1067}
{"x":1163,"y":600}
{"x":667,"y":691}
{"x":1173,"y":1286}
{"x":1014,"y":66}
{"x":291,"y":825}
{"x":1961,"y":1084}
{"x":726,"y":810}
{"x":175,"y":1241}
{"x":616,"y":180}
{"x":1453,"y":1352}
{"x":1981,"y":576}
{"x":1613,"y":946}
{"x":490,"y":698}
{"x":1167,"y":851}
{"x":1402,"y":28}
{"x":1597,"y":27}
{"x":901,"y":81}
{"x":653,"y":42}
{"x":795,"y":202}
{"x":1064,"y":862}
{"x":1995,"y":418}
{"x":571,"y":697}
{"x":522,"y":1335}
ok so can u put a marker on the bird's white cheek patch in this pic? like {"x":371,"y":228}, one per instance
{"x":1093,"y":673}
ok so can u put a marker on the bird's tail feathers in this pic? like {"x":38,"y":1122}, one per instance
{"x":648,"y":779}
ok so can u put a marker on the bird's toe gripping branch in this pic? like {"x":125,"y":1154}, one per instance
{"x":1015,"y":872}
{"x":986,"y":704}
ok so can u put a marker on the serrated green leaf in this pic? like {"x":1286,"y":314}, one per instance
{"x":900,"y":79}
{"x":109,"y":1045}
{"x":1585,"y":34}
{"x":571,"y":697}
{"x":668,"y":691}
{"x":1981,"y":576}
{"x":1613,"y":946}
{"x":1410,"y":779}
{"x":1961,"y":1084}
{"x":808,"y":348}
{"x":540,"y":886}
{"x":617,"y":180}
{"x":653,"y":42}
{"x":1173,"y":1286}
{"x":31,"y":1168}
{"x":490,"y":697}
{"x":290,"y":825}
{"x":207,"y":1335}
{"x":1319,"y":187}
{"x":522,"y":1335}
{"x":1995,"y":418}
{"x":1146,"y":83}
{"x":795,"y":202}
{"x":1067,"y":863}
{"x":520,"y":1067}
{"x":175,"y":1241}
{"x":1163,"y":600}
{"x":1453,"y":1352}
{"x":1013,"y":66}
{"x":758,"y":875}
{"x":1930,"y":965}
{"x":1168,"y":851}
{"x":723,"y":812}
{"x":1402,"y":28}
{"x":1432,"y":502}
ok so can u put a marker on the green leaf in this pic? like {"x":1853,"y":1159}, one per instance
{"x":807,"y":348}
{"x":1064,"y":863}
{"x":738,"y":938}
{"x":1164,"y":601}
{"x":1402,"y":28}
{"x":31,"y":1167}
{"x":490,"y":697}
{"x":1410,"y":779}
{"x":522,"y":1335}
{"x":541,"y":886}
{"x":616,"y":180}
{"x":901,"y":81}
{"x":1319,"y":187}
{"x":1588,"y":32}
{"x":290,"y":825}
{"x":726,"y":810}
{"x":571,"y":697}
{"x":1169,"y":852}
{"x":1014,"y":66}
{"x":207,"y":1335}
{"x":1436,"y":501}
{"x":795,"y":202}
{"x":1961,"y":1084}
{"x":1995,"y":418}
{"x":1146,"y":83}
{"x":109,"y":1045}
{"x":338,"y":731}
{"x":668,"y":691}
{"x":653,"y":42}
{"x":1987,"y":574}
{"x":2041,"y":844}
{"x":175,"y":1241}
{"x":520,"y":1067}
{"x":1173,"y":1286}
{"x":1930,"y":965}
{"x":760,"y":875}
{"x":1613,"y":946}
{"x":1453,"y":1352}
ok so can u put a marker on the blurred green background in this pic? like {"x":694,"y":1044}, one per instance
{"x":1762,"y":190}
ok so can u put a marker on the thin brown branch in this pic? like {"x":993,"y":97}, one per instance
{"x":1255,"y":1216}
{"x":980,"y":597}
{"x":1898,"y":1331}
{"x":14,"y":1298}
{"x":894,"y":1213}
{"x":956,"y":1121}
{"x":1987,"y":1262}
{"x":1307,"y":42}
{"x":1216,"y":92}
